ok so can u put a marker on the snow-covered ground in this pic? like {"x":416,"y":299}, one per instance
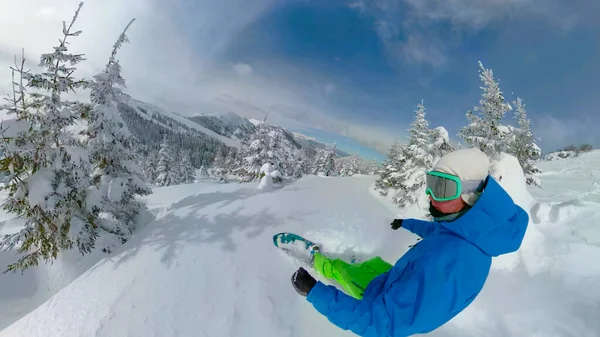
{"x":206,"y":266}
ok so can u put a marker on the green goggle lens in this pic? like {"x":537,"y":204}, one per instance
{"x":442,"y":186}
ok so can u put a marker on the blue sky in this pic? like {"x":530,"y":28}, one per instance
{"x":374,"y":61}
{"x":350,"y":71}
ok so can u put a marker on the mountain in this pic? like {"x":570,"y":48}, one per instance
{"x":206,"y":265}
{"x":240,"y":128}
{"x":307,"y":141}
{"x":203,"y":135}
{"x":228,"y":125}
{"x":149,"y":124}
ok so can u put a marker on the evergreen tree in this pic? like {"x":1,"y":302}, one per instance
{"x":203,"y":172}
{"x":523,"y":145}
{"x":166,"y":170}
{"x":218,"y":169}
{"x":325,"y":161}
{"x":301,"y":164}
{"x":48,"y":169}
{"x":258,"y":153}
{"x":117,"y":176}
{"x":353,"y":166}
{"x":188,"y":172}
{"x":440,"y":143}
{"x":391,"y":169}
{"x":150,"y":164}
{"x":485,"y":130}
{"x":372,"y":167}
{"x":419,"y":158}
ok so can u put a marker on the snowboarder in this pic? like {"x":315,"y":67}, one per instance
{"x":474,"y":220}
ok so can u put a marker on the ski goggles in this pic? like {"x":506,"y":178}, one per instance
{"x":444,"y":187}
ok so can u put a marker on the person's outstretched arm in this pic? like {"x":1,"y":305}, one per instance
{"x":410,"y":304}
{"x":421,"y":228}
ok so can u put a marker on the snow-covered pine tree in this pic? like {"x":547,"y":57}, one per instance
{"x":166,"y":170}
{"x":523,"y":146}
{"x":372,"y":167}
{"x":188,"y":172}
{"x":391,"y":168}
{"x":150,"y":164}
{"x":203,"y":172}
{"x":419,"y":158}
{"x":117,"y":176}
{"x":49,"y":169}
{"x":218,"y":169}
{"x":317,"y":159}
{"x":257,"y":154}
{"x":486,"y":131}
{"x":325,"y":161}
{"x":353,"y":168}
{"x":440,"y":144}
{"x":234,"y":162}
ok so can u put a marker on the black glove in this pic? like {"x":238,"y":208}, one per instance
{"x":303,"y":282}
{"x":397,"y":223}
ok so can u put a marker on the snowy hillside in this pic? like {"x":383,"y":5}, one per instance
{"x":150,"y":110}
{"x":202,"y":135}
{"x":313,"y":143}
{"x":206,"y":266}
{"x":228,"y":125}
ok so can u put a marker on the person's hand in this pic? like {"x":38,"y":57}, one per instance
{"x":303,"y":282}
{"x":397,"y":223}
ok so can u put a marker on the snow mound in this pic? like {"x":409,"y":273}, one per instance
{"x":266,"y":183}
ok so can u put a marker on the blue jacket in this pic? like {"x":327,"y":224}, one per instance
{"x":437,"y":278}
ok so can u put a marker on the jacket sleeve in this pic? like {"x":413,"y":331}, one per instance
{"x":420,"y":227}
{"x":409,"y":305}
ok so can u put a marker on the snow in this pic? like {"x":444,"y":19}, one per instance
{"x":266,"y":183}
{"x":185,"y":121}
{"x":255,"y":122}
{"x":206,"y":265}
{"x":40,"y":187}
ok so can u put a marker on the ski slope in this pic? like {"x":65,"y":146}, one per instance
{"x":206,"y":265}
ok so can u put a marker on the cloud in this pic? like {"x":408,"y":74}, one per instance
{"x":172,"y":44}
{"x":293,"y":104}
{"x":476,"y":14}
{"x":174,"y":60}
{"x":556,"y":133}
{"x":243,"y":69}
{"x":407,"y":27}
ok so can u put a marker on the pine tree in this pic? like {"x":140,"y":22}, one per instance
{"x":486,"y":131}
{"x":165,"y":169}
{"x":523,"y":145}
{"x":117,"y":176}
{"x":419,"y":158}
{"x":325,"y":161}
{"x":203,"y":172}
{"x":49,"y":169}
{"x":372,"y":167}
{"x":301,"y":164}
{"x":150,"y":164}
{"x":258,"y":153}
{"x":218,"y":169}
{"x":188,"y":172}
{"x":440,"y":143}
{"x":391,"y":168}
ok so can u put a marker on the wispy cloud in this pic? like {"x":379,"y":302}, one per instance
{"x":556,"y":133}
{"x":174,"y":60}
{"x":406,"y":26}
{"x":243,"y":69}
